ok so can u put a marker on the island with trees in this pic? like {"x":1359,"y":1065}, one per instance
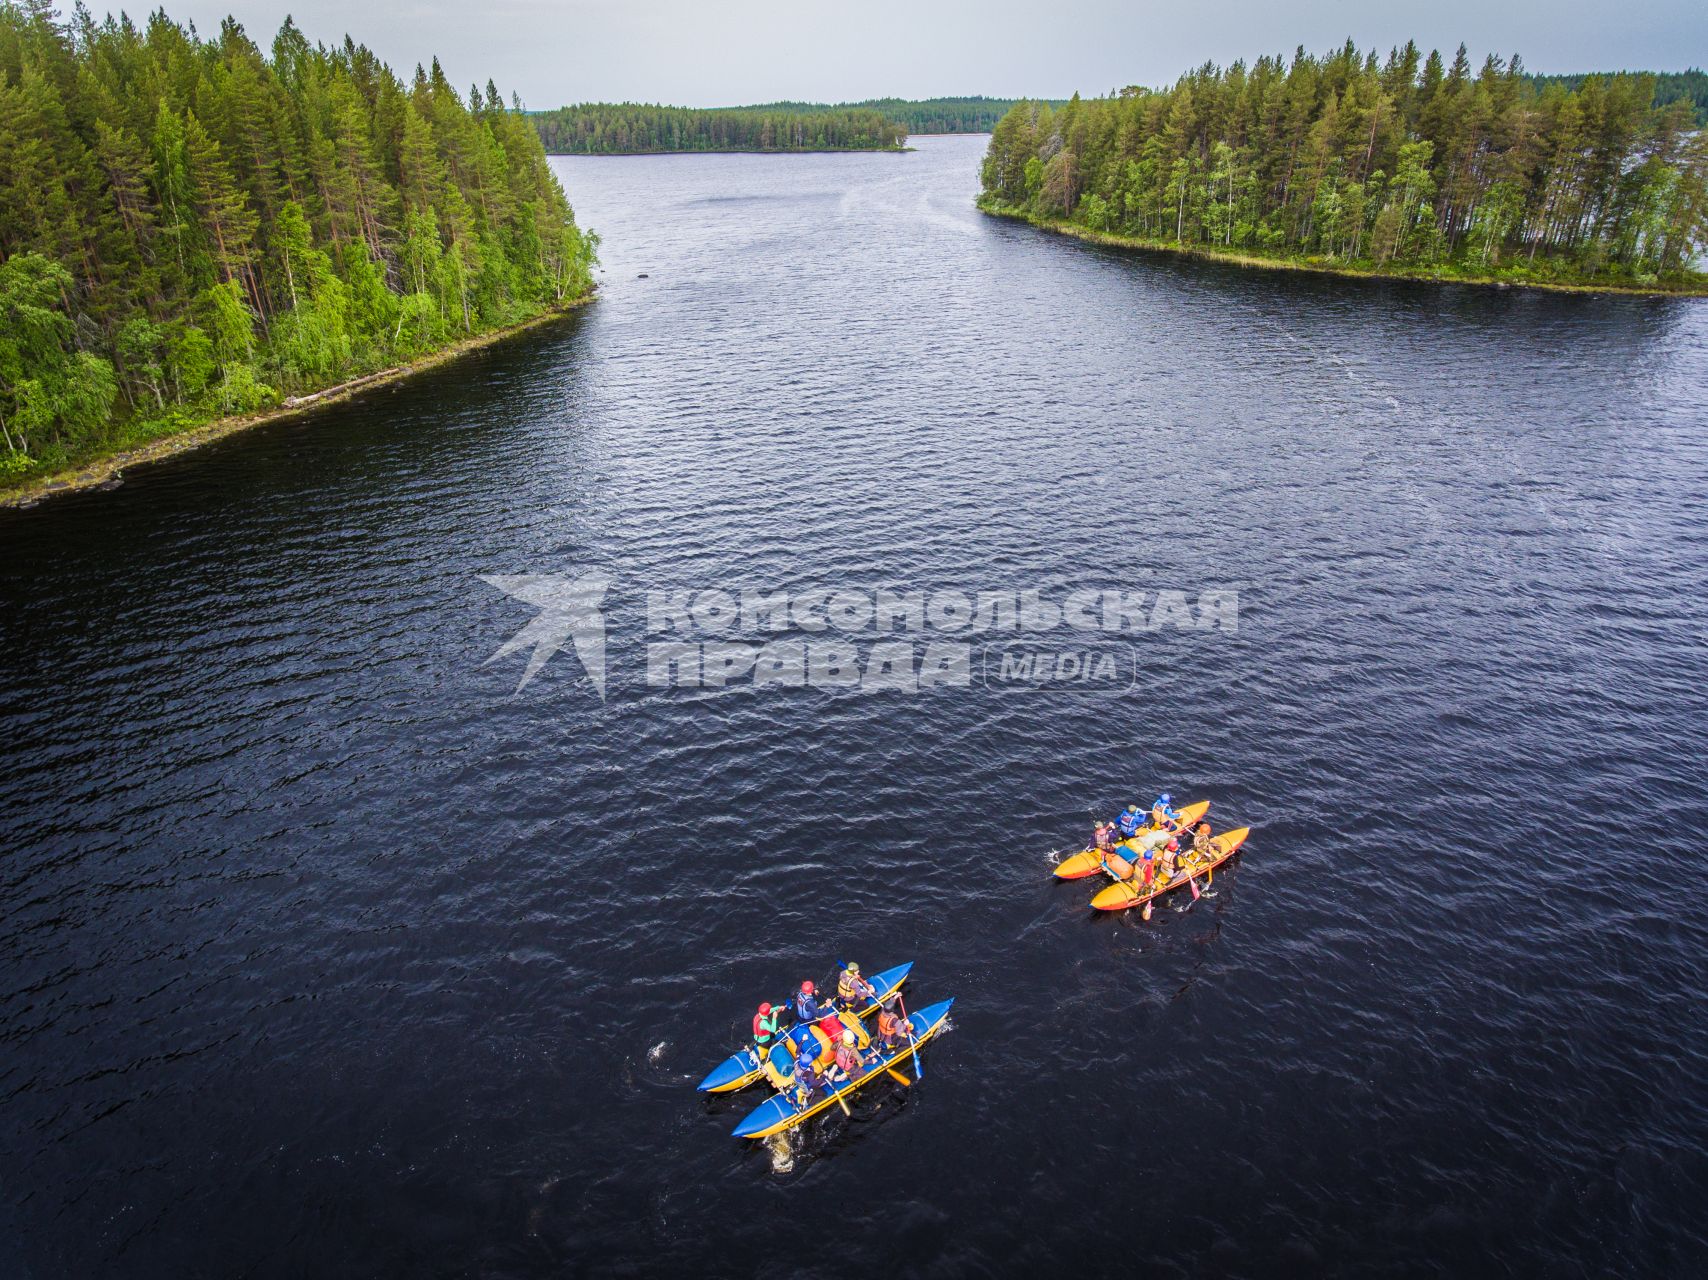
{"x":877,"y":124}
{"x":631,"y":128}
{"x":191,"y":229}
{"x":920,"y":115}
{"x":1400,"y":166}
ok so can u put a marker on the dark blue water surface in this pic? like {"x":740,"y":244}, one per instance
{"x":325,"y":951}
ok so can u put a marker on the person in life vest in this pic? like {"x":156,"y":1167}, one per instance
{"x":1130,"y":821}
{"x":765,"y":1027}
{"x":806,"y":1079}
{"x":1166,"y":863}
{"x":894,"y":1031}
{"x":806,"y":1004}
{"x":1147,"y":866}
{"x":1103,"y":837}
{"x":1162,"y":812}
{"x":846,"y":1064}
{"x":852,"y":989}
{"x":1203,"y":843}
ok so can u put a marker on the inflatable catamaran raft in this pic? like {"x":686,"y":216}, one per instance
{"x":744,"y":1066}
{"x":783,"y":1111}
{"x":1169,"y":850}
{"x":815,"y":1064}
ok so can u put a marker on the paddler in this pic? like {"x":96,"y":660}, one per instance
{"x":1145,"y":865}
{"x":852,"y":989}
{"x":1167,"y":866}
{"x":1163,"y":814}
{"x":765,"y":1028}
{"x":806,"y":1004}
{"x":847,"y":1061}
{"x":806,"y":1080}
{"x":1130,"y":821}
{"x":1204,"y":843}
{"x":893,"y":1030}
{"x":1103,"y":837}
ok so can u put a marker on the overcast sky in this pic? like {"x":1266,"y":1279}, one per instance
{"x":725,"y":52}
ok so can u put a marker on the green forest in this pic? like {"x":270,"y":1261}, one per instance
{"x":1670,"y":87}
{"x":926,"y":115}
{"x":1404,"y":165}
{"x":630,"y":128}
{"x":191,"y":228}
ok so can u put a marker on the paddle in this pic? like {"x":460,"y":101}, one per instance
{"x":1215,"y":854}
{"x":898,"y":1075}
{"x":1209,"y":874}
{"x":871,"y":991}
{"x":849,"y":1079}
{"x":918,"y":1062}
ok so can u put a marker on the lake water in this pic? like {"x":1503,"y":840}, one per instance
{"x":325,"y":950}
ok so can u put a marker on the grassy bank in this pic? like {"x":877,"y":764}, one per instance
{"x":139,"y":443}
{"x":1520,"y":276}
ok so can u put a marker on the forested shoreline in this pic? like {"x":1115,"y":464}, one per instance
{"x":920,"y":115}
{"x":190,"y":228}
{"x":1409,"y":165}
{"x":637,"y":128}
{"x":1670,"y":87}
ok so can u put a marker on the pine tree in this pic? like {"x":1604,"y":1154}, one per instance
{"x":1407,"y":162}
{"x":191,"y":225}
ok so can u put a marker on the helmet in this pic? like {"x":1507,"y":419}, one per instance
{"x":1165,"y":798}
{"x":1203,"y":828}
{"x":1174,"y":846}
{"x":847,"y":1037}
{"x":764,"y":1009}
{"x":1132,"y":808}
{"x":854,"y":969}
{"x":807,"y":988}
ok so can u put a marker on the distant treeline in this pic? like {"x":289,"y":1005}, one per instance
{"x":927,"y":115}
{"x":1670,"y":87}
{"x":1407,"y":163}
{"x":628,"y":128}
{"x":190,"y":226}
